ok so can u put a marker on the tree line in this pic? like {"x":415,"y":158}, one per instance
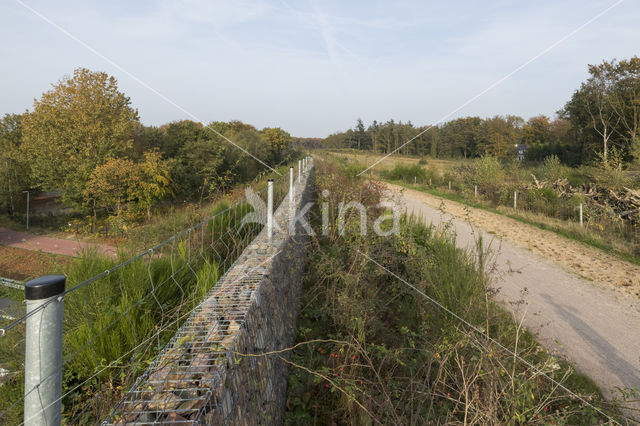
{"x":600,"y":121}
{"x":84,"y":138}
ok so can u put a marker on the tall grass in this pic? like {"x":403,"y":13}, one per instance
{"x":371,"y":349}
{"x":114,"y":326}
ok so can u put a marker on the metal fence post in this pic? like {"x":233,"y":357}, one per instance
{"x":449,"y":185}
{"x":43,"y":351}
{"x":515,"y":200}
{"x":475,"y":190}
{"x":291,"y":185}
{"x":27,"y":192}
{"x":580,"y":214}
{"x":299,"y":171}
{"x":270,"y":209}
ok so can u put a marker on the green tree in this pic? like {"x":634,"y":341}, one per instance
{"x":177,"y":134}
{"x":500,"y":135}
{"x":202,"y":168}
{"x":278,"y":140}
{"x":14,"y":167}
{"x":606,"y":108}
{"x":109,"y":186}
{"x":150,"y":183}
{"x":78,"y":125}
{"x":537,"y":130}
{"x":121,"y":185}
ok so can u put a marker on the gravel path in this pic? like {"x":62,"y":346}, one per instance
{"x":61,"y":246}
{"x":593,"y":323}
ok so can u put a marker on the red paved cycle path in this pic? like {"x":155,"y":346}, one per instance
{"x":61,"y":246}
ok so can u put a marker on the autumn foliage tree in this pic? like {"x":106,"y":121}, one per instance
{"x":278,"y":140}
{"x":120,"y":185}
{"x":75,"y":127}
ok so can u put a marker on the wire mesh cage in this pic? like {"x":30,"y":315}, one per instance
{"x":119,"y":320}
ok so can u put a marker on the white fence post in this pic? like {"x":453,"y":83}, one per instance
{"x":475,"y":190}
{"x":299,"y":171}
{"x":43,"y":351}
{"x":270,"y":209}
{"x":515,"y":200}
{"x":291,"y":185}
{"x":580,"y":214}
{"x":449,"y":185}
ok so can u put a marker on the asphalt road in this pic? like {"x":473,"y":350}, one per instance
{"x":595,"y":328}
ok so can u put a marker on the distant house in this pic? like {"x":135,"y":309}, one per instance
{"x":521,"y":150}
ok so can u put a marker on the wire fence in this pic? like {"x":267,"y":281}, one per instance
{"x":579,"y":215}
{"x":116,"y":322}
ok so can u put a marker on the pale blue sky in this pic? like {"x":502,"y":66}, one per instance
{"x":314,"y":67}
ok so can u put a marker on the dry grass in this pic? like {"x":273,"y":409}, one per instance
{"x":366,"y":159}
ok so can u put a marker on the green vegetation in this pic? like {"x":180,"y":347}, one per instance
{"x":548,"y":195}
{"x":413,"y":173}
{"x":602,"y":119}
{"x":84,"y":139}
{"x":114,"y":327}
{"x":370,"y":349}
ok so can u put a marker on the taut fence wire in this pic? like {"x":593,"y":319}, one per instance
{"x":116,"y":322}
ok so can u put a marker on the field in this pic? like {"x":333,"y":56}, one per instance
{"x":549,"y":206}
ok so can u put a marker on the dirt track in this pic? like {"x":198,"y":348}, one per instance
{"x":588,"y":262}
{"x":594,"y":323}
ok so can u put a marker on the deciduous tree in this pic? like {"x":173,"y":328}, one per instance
{"x":78,"y":125}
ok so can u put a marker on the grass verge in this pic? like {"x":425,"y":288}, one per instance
{"x":581,"y":237}
{"x":372,"y":350}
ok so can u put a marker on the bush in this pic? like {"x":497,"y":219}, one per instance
{"x":552,"y":169}
{"x":406,"y":173}
{"x":423,"y":161}
{"x":486,"y":172}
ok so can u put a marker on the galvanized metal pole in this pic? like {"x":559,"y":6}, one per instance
{"x":580,"y":214}
{"x":291,"y":185}
{"x":270,"y":209}
{"x":27,"y":209}
{"x":43,"y":351}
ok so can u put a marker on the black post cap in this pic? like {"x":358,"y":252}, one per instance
{"x":45,"y":287}
{"x":271,"y":180}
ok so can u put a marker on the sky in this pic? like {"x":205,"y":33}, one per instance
{"x":315,"y":67}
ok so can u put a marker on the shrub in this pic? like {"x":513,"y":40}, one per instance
{"x":486,"y":172}
{"x":552,"y":169}
{"x":406,"y":173}
{"x":423,"y":161}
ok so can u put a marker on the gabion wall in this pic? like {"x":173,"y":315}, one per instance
{"x":226,"y":365}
